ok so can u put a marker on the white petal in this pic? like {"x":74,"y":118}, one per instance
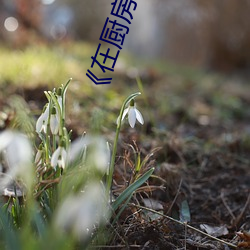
{"x":46,"y":113}
{"x":63,"y":158}
{"x":55,"y":156}
{"x":101,"y":155}
{"x":18,"y":157}
{"x":139,"y":116}
{"x":79,"y":214}
{"x":44,"y":127}
{"x":64,"y":154}
{"x":19,"y":151}
{"x":66,"y":215}
{"x":132,"y":117}
{"x":77,"y":148}
{"x":38,"y":156}
{"x":54,"y":124}
{"x":125,"y":112}
{"x":59,"y":99}
{"x":42,"y":121}
{"x":5,"y":139}
{"x":39,"y":123}
{"x":61,"y":163}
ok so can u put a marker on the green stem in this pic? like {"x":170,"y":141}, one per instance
{"x":52,"y":95}
{"x":65,"y":87}
{"x":112,"y":164}
{"x":54,"y":142}
{"x":47,"y":140}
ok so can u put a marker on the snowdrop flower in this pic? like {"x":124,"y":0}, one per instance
{"x":54,"y":121}
{"x":17,"y":152}
{"x":59,"y":99}
{"x":39,"y":154}
{"x":42,"y":122}
{"x":133,"y":114}
{"x":79,"y":214}
{"x":98,"y":152}
{"x":59,"y":157}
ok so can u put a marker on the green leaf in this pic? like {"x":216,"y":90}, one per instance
{"x":138,"y":163}
{"x":65,"y":87}
{"x":122,"y":209}
{"x":11,"y":237}
{"x":185,"y":212}
{"x":39,"y":221}
{"x":129,"y":190}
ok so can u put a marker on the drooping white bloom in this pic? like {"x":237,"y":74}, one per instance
{"x":17,"y":152}
{"x":59,"y":157}
{"x":42,"y":122}
{"x":77,"y":149}
{"x":133,"y":114}
{"x":39,"y":154}
{"x":59,"y":99}
{"x":79,"y":214}
{"x":54,"y":121}
{"x":98,"y":154}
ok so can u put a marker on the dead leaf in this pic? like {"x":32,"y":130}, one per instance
{"x":152,"y":204}
{"x":155,"y":205}
{"x":245,"y":236}
{"x":215,"y":231}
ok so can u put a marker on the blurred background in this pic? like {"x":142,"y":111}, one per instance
{"x":188,"y":52}
{"x":212,"y":34}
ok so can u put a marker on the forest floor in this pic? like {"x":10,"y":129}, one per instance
{"x":196,"y":135}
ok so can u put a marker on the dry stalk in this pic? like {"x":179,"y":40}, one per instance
{"x":183,"y":224}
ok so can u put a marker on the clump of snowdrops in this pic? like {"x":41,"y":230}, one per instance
{"x":61,"y":190}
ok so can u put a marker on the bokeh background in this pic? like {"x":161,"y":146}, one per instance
{"x":212,"y":34}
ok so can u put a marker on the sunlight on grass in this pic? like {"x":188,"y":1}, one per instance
{"x":42,"y":65}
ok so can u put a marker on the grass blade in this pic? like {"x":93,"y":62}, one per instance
{"x":128,"y":191}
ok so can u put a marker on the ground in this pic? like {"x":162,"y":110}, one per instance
{"x":197,"y":123}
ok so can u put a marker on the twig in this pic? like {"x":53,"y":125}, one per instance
{"x":184,"y":224}
{"x":239,"y":217}
{"x":227,"y":207}
{"x":116,"y":246}
{"x":48,"y":185}
{"x":185,"y":242}
{"x":175,"y":198}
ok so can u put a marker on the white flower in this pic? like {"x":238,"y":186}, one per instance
{"x":59,"y":99}
{"x":17,"y":152}
{"x":42,"y":122}
{"x":59,"y":157}
{"x":98,"y":152}
{"x":39,"y":155}
{"x":54,"y":121}
{"x":79,"y":214}
{"x":133,"y":114}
